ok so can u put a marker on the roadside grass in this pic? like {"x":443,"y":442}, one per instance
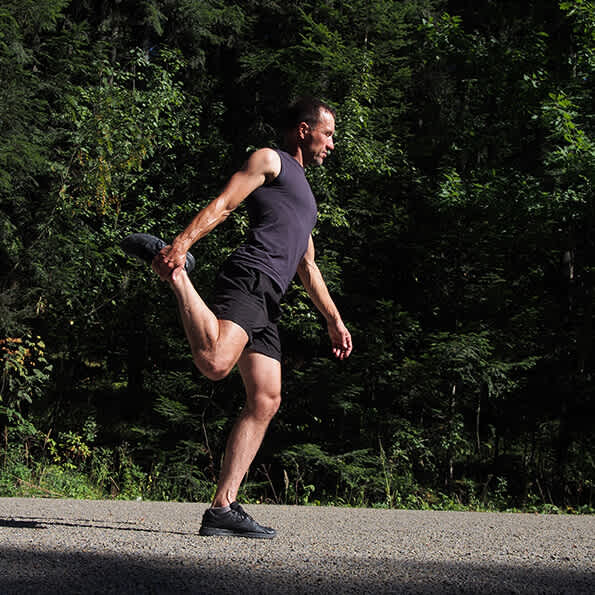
{"x":112,"y":474}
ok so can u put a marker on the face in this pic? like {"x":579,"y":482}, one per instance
{"x":318,"y":140}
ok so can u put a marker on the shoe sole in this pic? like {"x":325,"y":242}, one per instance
{"x":214,"y":532}
{"x":145,"y":246}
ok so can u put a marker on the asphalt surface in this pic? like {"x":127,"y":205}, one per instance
{"x":72,"y":546}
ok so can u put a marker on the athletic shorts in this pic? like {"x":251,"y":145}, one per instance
{"x":251,"y":299}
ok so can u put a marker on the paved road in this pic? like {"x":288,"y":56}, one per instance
{"x":69,"y":546}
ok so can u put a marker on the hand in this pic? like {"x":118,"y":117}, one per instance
{"x":340,"y":339}
{"x":168,"y":262}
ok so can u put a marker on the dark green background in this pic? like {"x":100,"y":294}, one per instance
{"x":455,"y":233}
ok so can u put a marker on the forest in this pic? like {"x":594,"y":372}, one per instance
{"x":455,"y":233}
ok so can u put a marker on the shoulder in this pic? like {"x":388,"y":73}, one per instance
{"x":264,"y":162}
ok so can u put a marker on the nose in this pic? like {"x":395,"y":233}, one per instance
{"x":330,"y":144}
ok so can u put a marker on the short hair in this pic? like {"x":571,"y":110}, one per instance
{"x":305,"y":109}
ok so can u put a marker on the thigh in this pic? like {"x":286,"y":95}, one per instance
{"x":231,"y":342}
{"x":266,"y":341}
{"x":261,"y":375}
{"x":265,"y":338}
{"x":238,"y":300}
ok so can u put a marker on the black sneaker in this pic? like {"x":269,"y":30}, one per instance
{"x":145,"y":246}
{"x":236,"y":522}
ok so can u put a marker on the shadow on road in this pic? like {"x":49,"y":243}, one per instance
{"x":42,"y":523}
{"x":21,"y":524}
{"x":24,"y":571}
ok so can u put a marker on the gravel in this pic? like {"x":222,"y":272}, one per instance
{"x":76,"y":546}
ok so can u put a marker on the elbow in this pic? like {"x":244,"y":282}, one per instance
{"x":305,"y":274}
{"x":221,"y":211}
{"x":225,"y":214}
{"x":302,"y":268}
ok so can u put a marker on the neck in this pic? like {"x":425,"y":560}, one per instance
{"x":295,"y":151}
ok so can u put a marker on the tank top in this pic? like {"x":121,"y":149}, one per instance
{"x":282,"y":214}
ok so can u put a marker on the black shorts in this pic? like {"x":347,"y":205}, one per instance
{"x":251,"y":299}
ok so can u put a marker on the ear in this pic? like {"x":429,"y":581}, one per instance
{"x":303,"y":129}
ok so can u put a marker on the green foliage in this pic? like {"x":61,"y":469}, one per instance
{"x":134,"y":113}
{"x":348,"y":475}
{"x":455,"y":234}
{"x":25,"y":377}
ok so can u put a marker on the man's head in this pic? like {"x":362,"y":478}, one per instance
{"x":310,"y":124}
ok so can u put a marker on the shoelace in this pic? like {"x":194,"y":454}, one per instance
{"x":243,"y":514}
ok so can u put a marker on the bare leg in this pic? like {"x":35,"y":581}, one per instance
{"x":262,"y":380}
{"x":216,"y":344}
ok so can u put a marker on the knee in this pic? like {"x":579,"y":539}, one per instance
{"x":274,"y":405}
{"x":265,"y":406}
{"x":213,"y":370}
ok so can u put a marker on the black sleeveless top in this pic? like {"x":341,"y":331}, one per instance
{"x":282,"y":215}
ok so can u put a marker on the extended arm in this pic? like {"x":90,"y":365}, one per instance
{"x":311,"y":277}
{"x":263,"y":165}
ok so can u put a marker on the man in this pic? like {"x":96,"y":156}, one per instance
{"x":241,"y":326}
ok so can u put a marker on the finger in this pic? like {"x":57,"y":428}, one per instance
{"x":344,"y":351}
{"x":348,"y":345}
{"x":339,"y":352}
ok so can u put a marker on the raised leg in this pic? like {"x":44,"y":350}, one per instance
{"x":262,"y":380}
{"x":216,"y":344}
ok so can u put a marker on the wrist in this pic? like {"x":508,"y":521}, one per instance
{"x":180,"y":245}
{"x":333,"y":318}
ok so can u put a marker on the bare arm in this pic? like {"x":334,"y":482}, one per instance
{"x":262,"y":166}
{"x":313,"y":281}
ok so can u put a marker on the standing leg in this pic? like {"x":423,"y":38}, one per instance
{"x":262,"y":380}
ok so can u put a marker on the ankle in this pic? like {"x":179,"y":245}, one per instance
{"x":221,"y":502}
{"x":178,"y":278}
{"x":223,"y":498}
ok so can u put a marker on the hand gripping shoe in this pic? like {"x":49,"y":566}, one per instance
{"x":235,"y":522}
{"x":145,"y":246}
